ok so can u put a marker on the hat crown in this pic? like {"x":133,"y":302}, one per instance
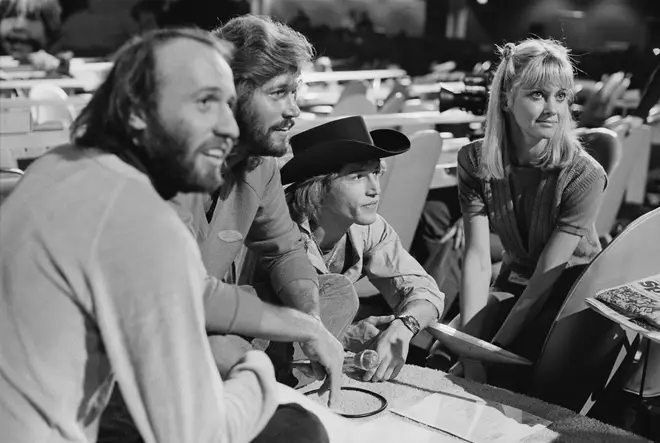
{"x":344,"y":129}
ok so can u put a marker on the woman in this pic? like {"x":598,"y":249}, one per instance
{"x":333,"y":196}
{"x":531,"y":182}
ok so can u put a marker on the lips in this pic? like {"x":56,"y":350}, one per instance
{"x":372,"y":204}
{"x":284,"y":127}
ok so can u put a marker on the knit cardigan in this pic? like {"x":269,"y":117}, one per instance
{"x":558,"y":190}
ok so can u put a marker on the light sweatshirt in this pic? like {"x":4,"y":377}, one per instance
{"x":100,"y":281}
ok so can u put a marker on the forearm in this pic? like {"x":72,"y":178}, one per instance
{"x":423,"y":311}
{"x":475,"y":282}
{"x":302,"y":295}
{"x":529,"y":304}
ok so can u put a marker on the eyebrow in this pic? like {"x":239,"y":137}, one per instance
{"x":216,"y":90}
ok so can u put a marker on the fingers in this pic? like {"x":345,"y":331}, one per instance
{"x":334,"y":381}
{"x":379,"y":320}
{"x":448,"y":235}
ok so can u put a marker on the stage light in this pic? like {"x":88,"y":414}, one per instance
{"x":482,"y":2}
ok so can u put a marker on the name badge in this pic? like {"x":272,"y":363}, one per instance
{"x":230,"y":236}
{"x":517,"y":279}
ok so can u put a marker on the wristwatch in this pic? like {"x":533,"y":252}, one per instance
{"x":410,"y":322}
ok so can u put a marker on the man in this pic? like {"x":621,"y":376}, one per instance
{"x":28,"y":29}
{"x":334,"y":193}
{"x":250,"y":207}
{"x":100,"y":279}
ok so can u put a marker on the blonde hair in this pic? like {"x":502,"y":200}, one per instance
{"x":530,"y":64}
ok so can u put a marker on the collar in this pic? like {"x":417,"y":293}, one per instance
{"x":316,"y":256}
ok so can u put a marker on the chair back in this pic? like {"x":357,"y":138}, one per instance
{"x":355,"y":87}
{"x":582,"y":348}
{"x":41,"y":114}
{"x":394,"y":104}
{"x":410,"y":176}
{"x":618,"y":179}
{"x":404,"y":187}
{"x":604,"y":146}
{"x":9,"y":178}
{"x":354,"y":105}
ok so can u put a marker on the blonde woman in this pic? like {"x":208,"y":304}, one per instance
{"x":531,"y":182}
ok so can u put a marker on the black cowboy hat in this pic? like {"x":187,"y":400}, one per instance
{"x":326,"y":148}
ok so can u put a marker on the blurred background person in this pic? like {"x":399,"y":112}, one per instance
{"x":28,"y":30}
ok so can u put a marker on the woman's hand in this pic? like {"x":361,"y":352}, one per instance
{"x":456,"y":232}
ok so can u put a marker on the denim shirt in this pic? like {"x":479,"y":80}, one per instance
{"x":378,"y":254}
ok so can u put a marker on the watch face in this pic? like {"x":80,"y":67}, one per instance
{"x":411,"y":323}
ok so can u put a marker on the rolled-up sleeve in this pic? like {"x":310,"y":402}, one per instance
{"x":394,"y":272}
{"x":469,"y":186}
{"x":277,"y":239}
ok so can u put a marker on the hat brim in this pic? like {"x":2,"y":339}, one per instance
{"x":328,"y":157}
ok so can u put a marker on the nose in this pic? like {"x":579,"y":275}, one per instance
{"x":373,"y":187}
{"x":550,"y":106}
{"x":291,"y":109}
{"x":20,"y":21}
{"x":226,"y":125}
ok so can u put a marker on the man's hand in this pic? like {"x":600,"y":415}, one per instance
{"x":326,"y":355}
{"x":457,"y":232}
{"x":361,"y":335}
{"x":392,"y":347}
{"x":43,"y":61}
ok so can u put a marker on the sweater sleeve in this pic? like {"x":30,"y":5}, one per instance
{"x":276,"y":238}
{"x":469,"y":186}
{"x":582,"y":198}
{"x":150,"y":280}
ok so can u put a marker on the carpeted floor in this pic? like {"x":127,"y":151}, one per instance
{"x":415,"y":383}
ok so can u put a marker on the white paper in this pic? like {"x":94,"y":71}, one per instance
{"x":474,"y":419}
{"x":392,"y":429}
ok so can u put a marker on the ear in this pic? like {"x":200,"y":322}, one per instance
{"x":505,"y":102}
{"x":136,"y":122}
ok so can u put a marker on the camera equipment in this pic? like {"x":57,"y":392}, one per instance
{"x":473,"y":97}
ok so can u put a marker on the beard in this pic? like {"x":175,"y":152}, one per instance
{"x":257,"y":140}
{"x":171,"y":162}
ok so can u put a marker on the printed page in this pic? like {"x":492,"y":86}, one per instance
{"x":639,"y":300}
{"x":474,"y":419}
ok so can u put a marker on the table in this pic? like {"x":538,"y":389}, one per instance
{"x":414,"y":383}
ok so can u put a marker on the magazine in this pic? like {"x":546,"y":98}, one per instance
{"x":637,"y":302}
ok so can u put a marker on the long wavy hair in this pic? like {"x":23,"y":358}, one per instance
{"x":530,"y":64}
{"x":131,"y":87}
{"x":265,"y":49}
{"x":48,"y":11}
